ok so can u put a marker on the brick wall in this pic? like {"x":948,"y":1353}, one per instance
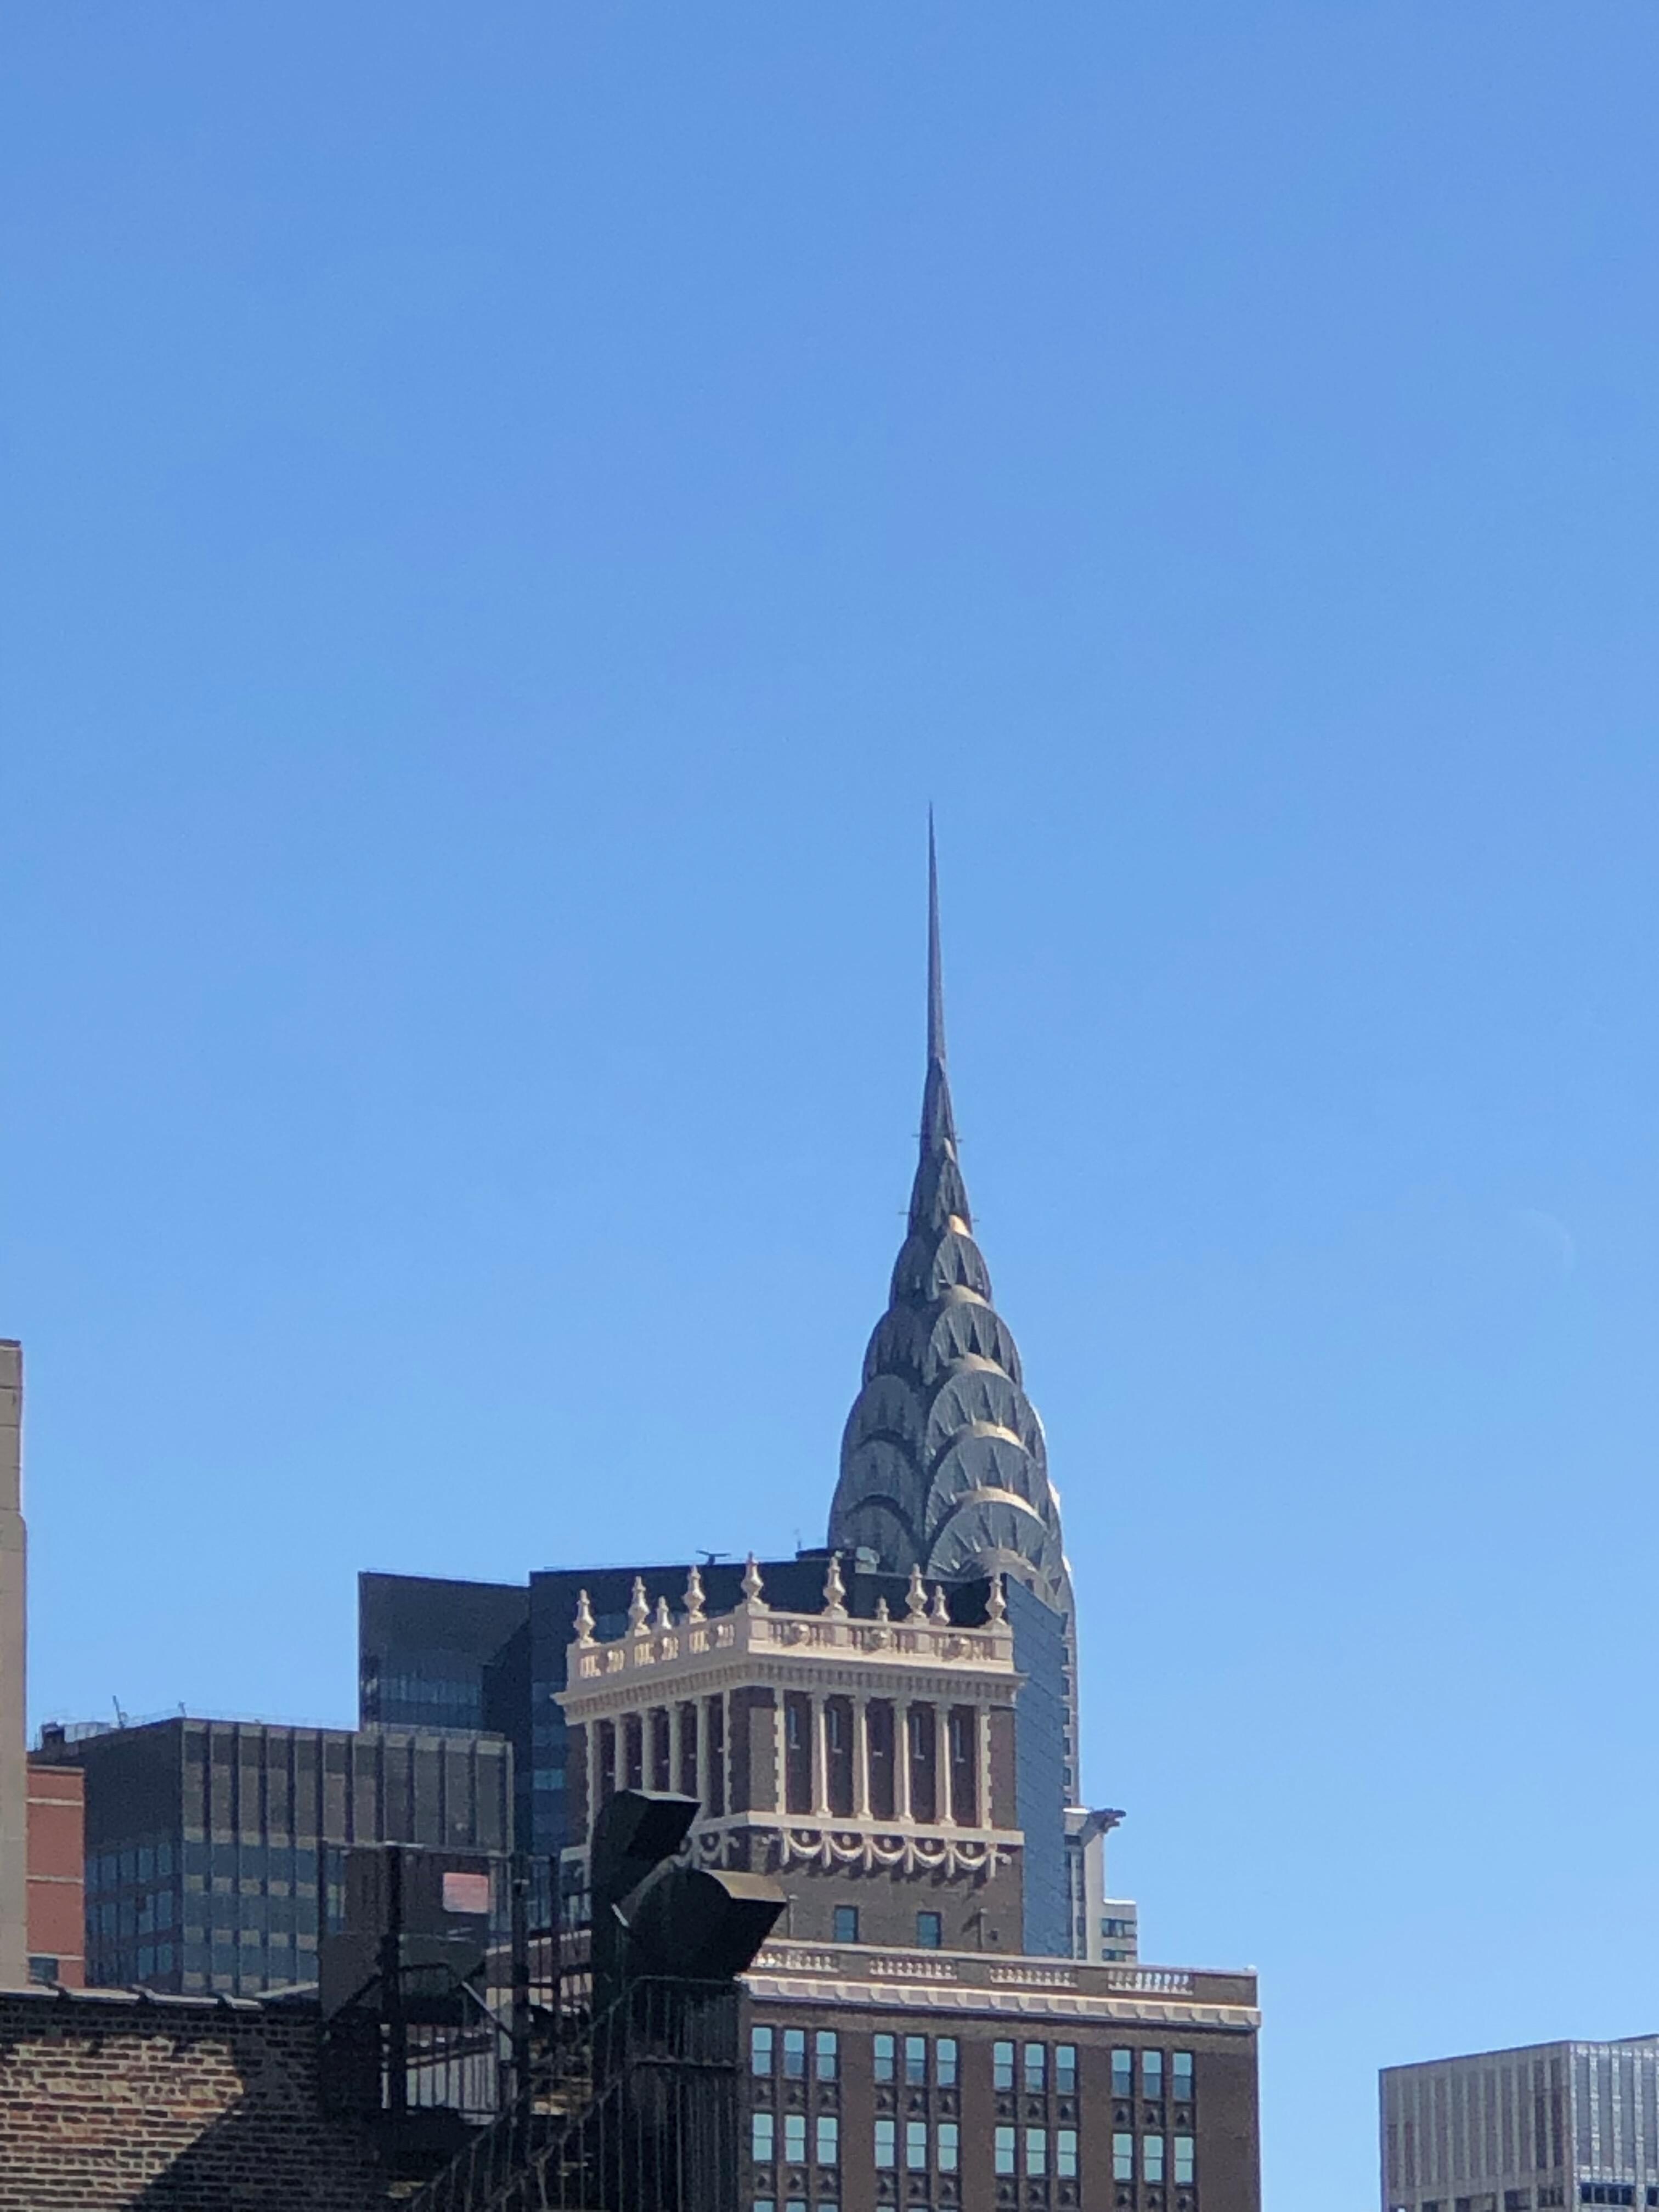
{"x":170,"y":2104}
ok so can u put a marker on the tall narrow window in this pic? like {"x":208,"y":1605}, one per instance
{"x":946,"y":2061}
{"x":930,"y":1930}
{"x":950,"y":2146}
{"x":688,"y":1782}
{"x":886,"y":2058}
{"x":965,"y":1766}
{"x":794,"y":2138}
{"x":1183,"y":2160}
{"x":915,"y":2061}
{"x":762,"y":2138}
{"x":714,"y":1721}
{"x":1066,"y":2070}
{"x":760,"y":2051}
{"x":828,"y":2139}
{"x":826,"y":2054}
{"x":1036,"y":2068}
{"x":1123,"y":2158}
{"x":838,"y":1753}
{"x":1180,"y":2077}
{"x":846,"y":1923}
{"x":1065,"y":2154}
{"x":1152,"y":2158}
{"x":605,"y":1755}
{"x":662,"y":1773}
{"x":915,"y":2146}
{"x":634,"y":1751}
{"x":879,"y":1725}
{"x":886,"y":2145}
{"x":924,"y":1786}
{"x":1036,"y":2153}
{"x":794,"y":2054}
{"x":1003,"y":2150}
{"x":1151,"y":2073}
{"x":1123,"y":2073}
{"x":1002,"y":2065}
{"x":798,"y":1750}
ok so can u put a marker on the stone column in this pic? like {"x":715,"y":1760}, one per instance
{"x":901,"y":1758}
{"x":820,"y":1756}
{"x":983,"y":1745}
{"x":676,"y":1742}
{"x":619,"y":1751}
{"x":944,"y":1803}
{"x":860,"y":1760}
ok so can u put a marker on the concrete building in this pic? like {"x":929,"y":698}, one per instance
{"x":1534,"y":2129}
{"x":215,"y":1849}
{"x":14,"y":1700}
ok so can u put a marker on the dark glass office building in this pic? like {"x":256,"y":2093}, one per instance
{"x":216,"y":1849}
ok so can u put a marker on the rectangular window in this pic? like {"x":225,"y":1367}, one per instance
{"x":794,"y":2138}
{"x":949,"y":2147}
{"x":846,"y":1923}
{"x":826,"y":2054}
{"x":1123,"y":2073}
{"x":1151,"y":2073}
{"x":1152,"y":2158}
{"x":1002,"y":2065}
{"x":796,"y":2204}
{"x":829,"y":2134}
{"x":760,"y":2051}
{"x":764,"y":2204}
{"x":1065,"y":2154}
{"x":1003,"y":2156}
{"x":930,"y":1930}
{"x":915,"y":2146}
{"x":1181,"y":2149}
{"x":794,"y":2054}
{"x":1036,"y":2068}
{"x":1123,"y":2158}
{"x":1066,"y":2070}
{"x":1180,"y":2077}
{"x":1036,"y":2153}
{"x":915,"y":2061}
{"x":762,"y":2138}
{"x":886,"y":2145}
{"x":886,"y":2058}
{"x":946,"y":2061}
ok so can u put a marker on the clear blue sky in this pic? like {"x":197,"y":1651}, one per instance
{"x":511,"y":514}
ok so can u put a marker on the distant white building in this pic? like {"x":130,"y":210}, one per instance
{"x":1547,"y":2126}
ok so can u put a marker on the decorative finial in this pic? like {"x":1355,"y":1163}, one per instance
{"x":693,"y":1595}
{"x":751,"y":1587}
{"x":638,"y":1610}
{"x":584,"y":1618}
{"x":916,"y":1602}
{"x":664,"y":1617}
{"x":882,"y":1613}
{"x":835,"y":1590}
{"x":941,"y":1613}
{"x":996,"y":1610}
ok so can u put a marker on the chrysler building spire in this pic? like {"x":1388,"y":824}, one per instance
{"x":943,"y":1463}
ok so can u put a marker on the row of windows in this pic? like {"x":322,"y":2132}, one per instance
{"x":946,"y":2145}
{"x":763,"y":2043}
{"x":1152,"y":2076}
{"x":1035,"y":2141}
{"x":1549,"y":2199}
{"x":1033,"y":2069}
{"x":1181,"y":2158}
{"x":946,"y":2059}
{"x":826,"y":2138}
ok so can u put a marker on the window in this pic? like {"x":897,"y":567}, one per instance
{"x":1180,"y":2077}
{"x":846,"y":1923}
{"x":1123,"y":2158}
{"x":43,"y":1968}
{"x":886,"y":2141}
{"x":826,"y":2054}
{"x":760,"y":2051}
{"x":915,"y":2061}
{"x":1066,"y":2070}
{"x":915,"y":2146}
{"x":1003,"y":2153}
{"x":797,"y":2204}
{"x":1519,"y":2200}
{"x":930,"y":1930}
{"x":762,"y":2138}
{"x":1036,"y":2152}
{"x":944,"y":2061}
{"x":1152,"y":2158}
{"x":763,"y":2204}
{"x":794,"y":2138}
{"x":1002,"y":2065}
{"x":950,"y":2146}
{"x":1065,"y":2154}
{"x":794,"y":2054}
{"x":1036,"y":2068}
{"x":1123,"y":2075}
{"x":886,"y":2070}
{"x":1151,"y":2073}
{"x":829,"y":2132}
{"x":1181,"y":2149}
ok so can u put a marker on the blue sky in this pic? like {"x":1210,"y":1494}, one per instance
{"x":511,"y":514}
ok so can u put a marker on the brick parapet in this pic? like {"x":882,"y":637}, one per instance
{"x":113,"y":2102}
